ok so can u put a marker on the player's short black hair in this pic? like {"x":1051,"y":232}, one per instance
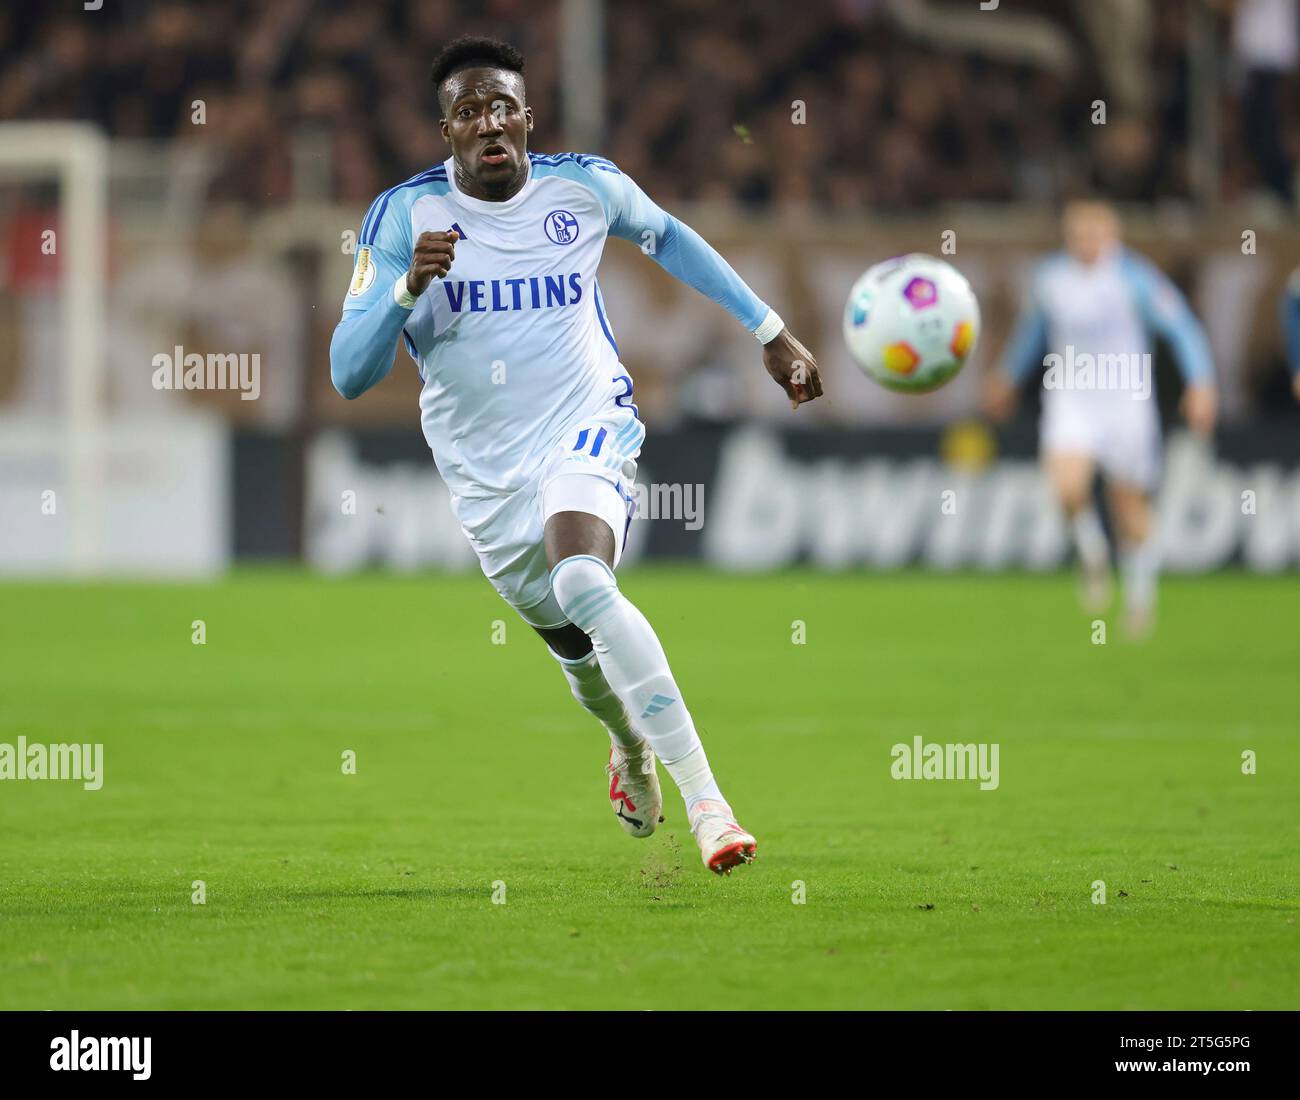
{"x":470,"y":50}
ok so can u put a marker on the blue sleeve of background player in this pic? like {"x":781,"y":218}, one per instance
{"x":1167,"y":313}
{"x":1291,"y":322}
{"x":364,"y":343}
{"x":675,"y":247}
{"x":1028,"y":342}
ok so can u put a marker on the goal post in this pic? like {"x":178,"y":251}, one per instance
{"x":76,"y":155}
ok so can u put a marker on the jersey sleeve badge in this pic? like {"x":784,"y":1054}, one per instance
{"x":363,"y":275}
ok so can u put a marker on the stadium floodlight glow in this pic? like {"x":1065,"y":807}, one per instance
{"x":76,"y":155}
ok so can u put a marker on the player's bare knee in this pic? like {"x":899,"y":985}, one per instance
{"x":1075,"y":497}
{"x":1132,"y":514}
{"x":1133,"y":529}
{"x":568,"y":534}
{"x":585,"y":588}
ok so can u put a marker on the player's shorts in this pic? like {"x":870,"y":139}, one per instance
{"x":1120,"y":434}
{"x":592,"y":469}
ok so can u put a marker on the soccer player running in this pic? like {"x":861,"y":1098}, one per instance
{"x":1100,"y":300}
{"x":485,"y":266}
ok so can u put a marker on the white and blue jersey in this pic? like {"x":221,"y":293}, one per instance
{"x":1093,"y":326}
{"x":514,"y":346}
{"x":1111,"y":307}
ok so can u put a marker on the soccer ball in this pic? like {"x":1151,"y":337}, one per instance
{"x":911,"y":322}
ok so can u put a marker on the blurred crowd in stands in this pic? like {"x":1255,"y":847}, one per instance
{"x":232,"y":115}
{"x":906,"y":103}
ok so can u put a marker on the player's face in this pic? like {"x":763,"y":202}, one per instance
{"x":1091,"y":229}
{"x":487,"y":126}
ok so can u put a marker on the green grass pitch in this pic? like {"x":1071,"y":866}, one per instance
{"x":223,"y":764}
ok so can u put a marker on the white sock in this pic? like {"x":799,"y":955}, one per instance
{"x":636,"y":668}
{"x":1090,"y":540}
{"x":592,"y":690}
{"x":1140,"y":568}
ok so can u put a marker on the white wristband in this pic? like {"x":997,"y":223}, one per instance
{"x":770,"y":329}
{"x":401,"y":295}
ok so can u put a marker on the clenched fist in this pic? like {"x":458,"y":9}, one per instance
{"x":432,"y":259}
{"x":1200,"y":407}
{"x":1000,"y":396}
{"x":793,"y":368}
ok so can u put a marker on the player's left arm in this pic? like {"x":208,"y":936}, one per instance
{"x":687,"y":256}
{"x":1167,"y":313}
{"x":1291,"y":328}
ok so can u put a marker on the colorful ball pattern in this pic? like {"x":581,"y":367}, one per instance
{"x":911,"y":322}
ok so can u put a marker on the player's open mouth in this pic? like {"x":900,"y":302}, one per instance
{"x":494,"y":154}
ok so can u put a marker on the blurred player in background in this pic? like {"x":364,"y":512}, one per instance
{"x":1090,"y":316}
{"x":1291,"y":329}
{"x":485,"y":266}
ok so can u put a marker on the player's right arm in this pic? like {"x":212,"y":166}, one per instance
{"x":388,"y":277}
{"x":1024,"y":352}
